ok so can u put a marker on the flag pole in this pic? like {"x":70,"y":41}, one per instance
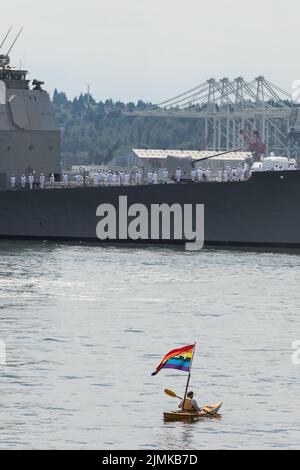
{"x":188,"y":380}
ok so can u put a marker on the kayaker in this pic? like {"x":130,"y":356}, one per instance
{"x":190,"y":403}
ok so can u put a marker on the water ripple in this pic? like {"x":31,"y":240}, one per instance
{"x":85,"y":326}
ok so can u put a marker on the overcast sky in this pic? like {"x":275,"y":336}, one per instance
{"x":153,"y":49}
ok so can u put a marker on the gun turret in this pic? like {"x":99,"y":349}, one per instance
{"x":37,"y":84}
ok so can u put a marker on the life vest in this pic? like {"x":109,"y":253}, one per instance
{"x":188,"y":405}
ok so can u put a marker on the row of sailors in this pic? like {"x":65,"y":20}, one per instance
{"x":109,"y":178}
{"x":201,"y":175}
{"x":106,"y":178}
{"x":228,"y":174}
{"x":31,"y":181}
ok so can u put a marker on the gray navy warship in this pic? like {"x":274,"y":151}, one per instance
{"x":261,"y":211}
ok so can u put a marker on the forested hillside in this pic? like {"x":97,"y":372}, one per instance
{"x":96,"y":132}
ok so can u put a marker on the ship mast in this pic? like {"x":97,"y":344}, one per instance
{"x":4,"y":40}
{"x":17,"y":37}
{"x":4,"y":58}
{"x":188,"y":379}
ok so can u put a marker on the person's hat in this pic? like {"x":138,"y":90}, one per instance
{"x":190,"y":394}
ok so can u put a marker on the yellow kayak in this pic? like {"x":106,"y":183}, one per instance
{"x":207,"y":412}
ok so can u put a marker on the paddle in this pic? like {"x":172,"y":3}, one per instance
{"x":173,"y":395}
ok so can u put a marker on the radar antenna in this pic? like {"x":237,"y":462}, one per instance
{"x":7,"y":34}
{"x":17,"y":37}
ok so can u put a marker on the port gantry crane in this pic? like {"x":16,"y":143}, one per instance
{"x":234,"y":112}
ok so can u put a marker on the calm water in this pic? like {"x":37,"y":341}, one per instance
{"x":85,"y":326}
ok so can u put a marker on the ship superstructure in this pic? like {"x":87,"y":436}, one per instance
{"x":29,"y":133}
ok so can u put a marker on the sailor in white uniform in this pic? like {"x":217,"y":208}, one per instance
{"x":178,"y":175}
{"x":208,"y":174}
{"x":161,"y":175}
{"x":193,"y":175}
{"x":138,"y":177}
{"x":65,"y":180}
{"x":52,"y":180}
{"x":233,"y":177}
{"x":109,"y":178}
{"x":229,"y":173}
{"x":243,"y":176}
{"x":101,"y":178}
{"x":220,"y":175}
{"x":165,"y":176}
{"x":31,"y":181}
{"x":246,"y":169}
{"x":126,"y":178}
{"x":78,"y":180}
{"x":23,"y":181}
{"x":114,"y":179}
{"x":13,"y":182}
{"x":239,"y":172}
{"x":150,"y":177}
{"x":155,"y":177}
{"x":199,"y":175}
{"x":42,"y":181}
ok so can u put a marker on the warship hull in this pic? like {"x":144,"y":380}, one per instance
{"x":263,"y":211}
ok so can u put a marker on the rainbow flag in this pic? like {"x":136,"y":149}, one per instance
{"x":177,"y":359}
